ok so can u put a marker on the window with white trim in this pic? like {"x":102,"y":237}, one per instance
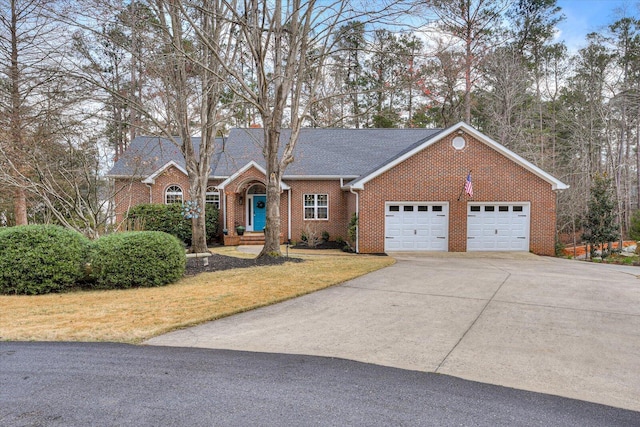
{"x":316,"y":206}
{"x":212,"y":196}
{"x":173,"y":194}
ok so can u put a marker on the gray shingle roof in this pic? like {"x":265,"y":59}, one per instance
{"x":319,"y":152}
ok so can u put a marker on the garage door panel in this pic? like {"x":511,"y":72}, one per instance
{"x":418,"y":226}
{"x":499,"y":227}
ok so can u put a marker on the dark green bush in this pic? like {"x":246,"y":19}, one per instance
{"x":211,"y":221}
{"x":352,"y":228}
{"x":38,"y":259}
{"x":634,"y":231}
{"x":136,"y":259}
{"x":157,"y":217}
{"x":169,"y":219}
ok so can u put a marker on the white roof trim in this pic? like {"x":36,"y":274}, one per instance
{"x":245,"y":168}
{"x":319,"y":177}
{"x":555,"y":183}
{"x":151,"y":179}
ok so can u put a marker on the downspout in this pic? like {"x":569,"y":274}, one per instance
{"x":289,"y":214}
{"x":357,"y":216}
{"x":150,"y":194}
{"x":224,"y":209}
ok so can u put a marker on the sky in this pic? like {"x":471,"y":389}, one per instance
{"x":586,"y":16}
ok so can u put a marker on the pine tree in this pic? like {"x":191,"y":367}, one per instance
{"x":601,"y":225}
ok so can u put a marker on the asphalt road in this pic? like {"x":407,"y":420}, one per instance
{"x":102,"y":384}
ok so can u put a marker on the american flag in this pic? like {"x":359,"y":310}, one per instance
{"x":468,"y":186}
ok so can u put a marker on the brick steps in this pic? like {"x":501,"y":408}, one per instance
{"x":251,"y":238}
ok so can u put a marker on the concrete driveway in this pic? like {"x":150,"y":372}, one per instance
{"x":549,"y":325}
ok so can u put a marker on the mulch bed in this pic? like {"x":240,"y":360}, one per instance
{"x":322,"y":245}
{"x":223,"y":262}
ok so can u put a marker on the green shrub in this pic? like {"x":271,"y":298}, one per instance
{"x":38,"y":259}
{"x":325,"y":236}
{"x":352,"y":228}
{"x":634,"y":230}
{"x":165,"y":218}
{"x":136,"y":259}
{"x":211,"y":221}
{"x":170,"y":219}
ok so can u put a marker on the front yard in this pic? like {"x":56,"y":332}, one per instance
{"x":137,"y":314}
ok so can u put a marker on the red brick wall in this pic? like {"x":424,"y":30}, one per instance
{"x":336,"y":225}
{"x":128,"y":193}
{"x":134,"y":193}
{"x":438,"y":173}
{"x":131,"y":193}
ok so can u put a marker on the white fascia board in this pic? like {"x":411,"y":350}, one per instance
{"x":151,"y":179}
{"x":555,"y":183}
{"x":124,"y":176}
{"x":223,"y":184}
{"x":318,"y":177}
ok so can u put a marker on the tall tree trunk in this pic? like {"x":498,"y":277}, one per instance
{"x":468,"y":64}
{"x":198,"y":227}
{"x":20,"y":206}
{"x":638,"y":164}
{"x":20,"y":199}
{"x":272,"y":229}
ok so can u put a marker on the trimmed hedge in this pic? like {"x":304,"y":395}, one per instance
{"x":38,"y":259}
{"x":136,"y":259}
{"x":169,"y":219}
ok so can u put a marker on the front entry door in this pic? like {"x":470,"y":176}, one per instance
{"x":259,"y":212}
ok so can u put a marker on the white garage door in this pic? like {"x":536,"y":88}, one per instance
{"x":416,"y":226}
{"x":498,"y":227}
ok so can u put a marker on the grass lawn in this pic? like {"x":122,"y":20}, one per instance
{"x":137,"y":314}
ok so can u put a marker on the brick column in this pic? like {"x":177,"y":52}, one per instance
{"x":231,"y":207}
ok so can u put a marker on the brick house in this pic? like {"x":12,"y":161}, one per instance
{"x":405,"y":185}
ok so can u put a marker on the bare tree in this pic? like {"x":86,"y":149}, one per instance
{"x":174,"y":43}
{"x":29,"y":49}
{"x":473,"y":23}
{"x":287,"y":45}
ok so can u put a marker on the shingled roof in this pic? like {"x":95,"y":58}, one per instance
{"x":347,"y":153}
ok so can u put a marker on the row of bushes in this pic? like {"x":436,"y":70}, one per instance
{"x":39,"y":259}
{"x":170,"y":219}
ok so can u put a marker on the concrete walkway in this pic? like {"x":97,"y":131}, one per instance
{"x":549,"y":325}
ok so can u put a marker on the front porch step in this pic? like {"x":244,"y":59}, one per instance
{"x":252,"y":238}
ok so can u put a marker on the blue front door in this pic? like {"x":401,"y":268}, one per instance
{"x":259,"y":212}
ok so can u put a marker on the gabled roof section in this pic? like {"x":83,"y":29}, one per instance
{"x":331,"y":153}
{"x":146,"y":156}
{"x":242,"y":170}
{"x":151,"y":179}
{"x":319,"y":153}
{"x":358,"y":183}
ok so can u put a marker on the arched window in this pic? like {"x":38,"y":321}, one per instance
{"x":212,"y":196}
{"x":173,"y":194}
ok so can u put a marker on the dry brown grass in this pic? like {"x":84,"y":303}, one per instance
{"x":138,"y":314}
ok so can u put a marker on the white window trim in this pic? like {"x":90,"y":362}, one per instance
{"x":212,"y":193}
{"x":315,"y":207}
{"x":173,"y":193}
